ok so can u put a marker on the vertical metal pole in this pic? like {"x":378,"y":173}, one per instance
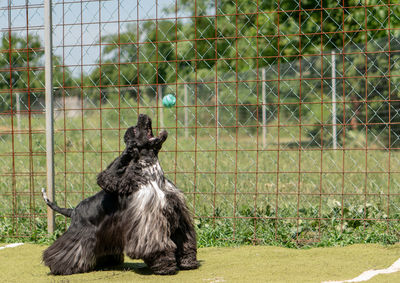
{"x":334,"y":100}
{"x":186,"y":112}
{"x":217,"y":108}
{"x":160,"y":97}
{"x":18,"y":100}
{"x":264,"y":109}
{"x":49,"y":109}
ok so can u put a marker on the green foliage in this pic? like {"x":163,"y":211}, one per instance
{"x":25,"y":55}
{"x":17,"y":59}
{"x":340,"y":226}
{"x":265,"y":230}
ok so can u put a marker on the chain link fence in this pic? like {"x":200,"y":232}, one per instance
{"x":286,"y":127}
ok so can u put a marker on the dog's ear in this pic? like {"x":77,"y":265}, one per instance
{"x":132,"y":177}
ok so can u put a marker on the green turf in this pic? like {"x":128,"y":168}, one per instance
{"x":240,"y":264}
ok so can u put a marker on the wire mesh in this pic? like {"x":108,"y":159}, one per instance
{"x":257,"y":142}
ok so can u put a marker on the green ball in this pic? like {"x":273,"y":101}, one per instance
{"x":169,"y":100}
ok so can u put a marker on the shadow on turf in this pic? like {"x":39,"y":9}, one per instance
{"x":137,"y":267}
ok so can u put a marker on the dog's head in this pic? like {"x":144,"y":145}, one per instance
{"x":140,"y":139}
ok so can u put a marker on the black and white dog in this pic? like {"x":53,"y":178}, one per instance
{"x":139,"y":212}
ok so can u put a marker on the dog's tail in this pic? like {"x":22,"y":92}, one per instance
{"x":64,"y":211}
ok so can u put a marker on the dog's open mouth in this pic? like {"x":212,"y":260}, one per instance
{"x":161,"y":135}
{"x":144,"y":122}
{"x":150,"y":132}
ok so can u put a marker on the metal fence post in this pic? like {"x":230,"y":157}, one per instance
{"x":264,"y":109}
{"x":49,"y":109}
{"x":18,"y":103}
{"x":160,"y":106}
{"x":334,"y":141}
{"x":186,"y":123}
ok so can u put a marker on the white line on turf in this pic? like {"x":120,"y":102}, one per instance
{"x":366,"y":275}
{"x":11,"y":246}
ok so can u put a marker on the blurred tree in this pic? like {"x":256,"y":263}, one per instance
{"x":22,"y":71}
{"x":118,"y":67}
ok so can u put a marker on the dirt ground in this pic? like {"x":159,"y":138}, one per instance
{"x":236,"y":264}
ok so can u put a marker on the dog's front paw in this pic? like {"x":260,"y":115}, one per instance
{"x":163,"y":264}
{"x":187,"y":264}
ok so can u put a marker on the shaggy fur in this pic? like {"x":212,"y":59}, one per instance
{"x":139,"y":212}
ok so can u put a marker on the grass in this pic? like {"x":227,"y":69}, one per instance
{"x":239,"y":193}
{"x":232,"y":264}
